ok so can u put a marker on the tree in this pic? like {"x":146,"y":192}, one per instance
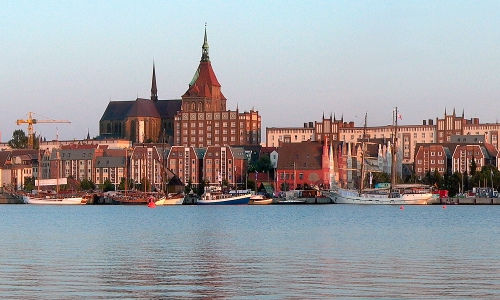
{"x":188,"y":187}
{"x":29,"y":184}
{"x":264,"y":164}
{"x":452,"y":183}
{"x":201,"y":187}
{"x":19,"y":139}
{"x":122,"y":184}
{"x":473,"y":167}
{"x":87,"y":184}
{"x":107,"y":186}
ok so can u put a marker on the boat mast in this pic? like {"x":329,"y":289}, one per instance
{"x":394,"y":147}
{"x":40,"y":167}
{"x":362,"y":183}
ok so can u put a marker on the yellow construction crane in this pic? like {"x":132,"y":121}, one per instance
{"x":30,"y":121}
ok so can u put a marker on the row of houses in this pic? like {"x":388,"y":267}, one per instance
{"x":99,"y":163}
{"x":448,"y":158}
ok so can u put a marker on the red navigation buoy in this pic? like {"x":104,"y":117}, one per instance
{"x":401,"y":207}
{"x":151,"y":202}
{"x":444,"y":206}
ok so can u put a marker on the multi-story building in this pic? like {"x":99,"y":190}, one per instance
{"x":146,"y":165}
{"x":431,"y":158}
{"x":463,"y":155}
{"x":111,"y":166}
{"x":305,"y":163}
{"x":203,"y":119}
{"x":277,"y":135}
{"x":186,"y":163}
{"x":16,"y":166}
{"x":74,"y":160}
{"x":224,"y":164}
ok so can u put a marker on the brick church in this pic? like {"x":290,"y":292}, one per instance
{"x":199,"y":119}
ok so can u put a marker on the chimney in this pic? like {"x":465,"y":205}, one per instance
{"x":431,"y":122}
{"x":311,"y":125}
{"x":424,"y":122}
{"x":305,"y":125}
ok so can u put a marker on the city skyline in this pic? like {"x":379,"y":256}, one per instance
{"x":291,"y":62}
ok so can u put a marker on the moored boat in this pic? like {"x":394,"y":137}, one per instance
{"x":54,"y":200}
{"x":176,"y":199}
{"x":223,"y":199}
{"x":260,"y":200}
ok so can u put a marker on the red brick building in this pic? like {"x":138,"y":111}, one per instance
{"x":301,"y":164}
{"x":186,"y":163}
{"x":224,"y":163}
{"x":204,"y":120}
{"x":465,"y":154}
{"x":430,"y":158}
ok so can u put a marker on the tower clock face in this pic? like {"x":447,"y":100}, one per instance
{"x":233,"y":115}
{"x":201,"y":116}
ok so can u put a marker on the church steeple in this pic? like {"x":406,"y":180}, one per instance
{"x":204,"y":48}
{"x":154,"y":90}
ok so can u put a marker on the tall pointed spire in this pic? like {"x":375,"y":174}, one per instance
{"x":463,"y":113}
{"x":154,"y":90}
{"x":204,"y":48}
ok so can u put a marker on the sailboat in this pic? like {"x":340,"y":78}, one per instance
{"x":396,"y":195}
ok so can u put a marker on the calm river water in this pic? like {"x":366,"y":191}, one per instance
{"x":263,"y":252}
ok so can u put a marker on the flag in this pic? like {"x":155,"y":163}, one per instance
{"x":400,"y":116}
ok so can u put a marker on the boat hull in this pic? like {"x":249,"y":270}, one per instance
{"x":261,"y":201}
{"x":170,"y":201}
{"x":54,"y":201}
{"x":351,"y":197}
{"x":236,"y":200}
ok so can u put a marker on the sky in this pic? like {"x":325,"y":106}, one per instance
{"x":290,"y":60}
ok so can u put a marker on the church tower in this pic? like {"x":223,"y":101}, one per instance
{"x":204,"y":91}
{"x":154,"y":90}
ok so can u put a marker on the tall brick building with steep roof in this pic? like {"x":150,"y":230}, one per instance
{"x":203,"y":119}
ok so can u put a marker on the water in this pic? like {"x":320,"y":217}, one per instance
{"x":264,"y":252}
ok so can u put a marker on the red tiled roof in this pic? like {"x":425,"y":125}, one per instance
{"x":203,"y":82}
{"x":305,"y":155}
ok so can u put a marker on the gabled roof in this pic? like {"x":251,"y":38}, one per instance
{"x":203,"y":83}
{"x":120,"y":110}
{"x":117,"y":110}
{"x":110,"y":162}
{"x":4,"y":157}
{"x":143,"y":108}
{"x":305,"y":156}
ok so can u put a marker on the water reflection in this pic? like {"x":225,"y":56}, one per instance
{"x":248,"y":252}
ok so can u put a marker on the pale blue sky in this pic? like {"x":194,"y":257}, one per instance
{"x":291,"y":60}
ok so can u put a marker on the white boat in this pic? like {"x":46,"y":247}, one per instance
{"x":396,"y":195}
{"x":54,"y":200}
{"x":260,"y":200}
{"x":170,"y":200}
{"x":209,"y":198}
{"x":345,"y":196}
